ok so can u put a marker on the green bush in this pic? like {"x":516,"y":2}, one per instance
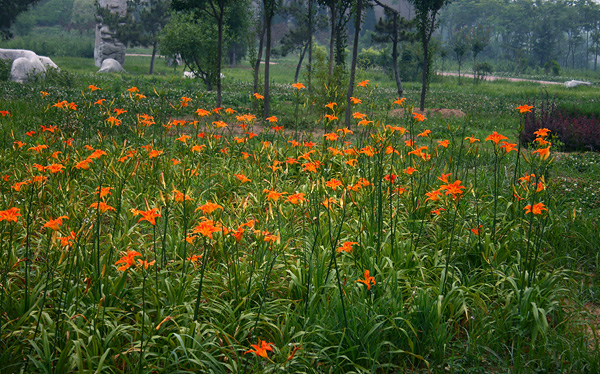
{"x":5,"y":66}
{"x":54,"y":45}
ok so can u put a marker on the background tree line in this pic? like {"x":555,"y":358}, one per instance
{"x":404,"y":37}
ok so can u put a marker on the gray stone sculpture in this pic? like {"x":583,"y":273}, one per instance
{"x":25,"y":64}
{"x":106,"y":44}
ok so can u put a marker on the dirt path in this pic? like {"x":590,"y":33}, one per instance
{"x":493,"y":78}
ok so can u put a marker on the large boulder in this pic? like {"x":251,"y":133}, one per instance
{"x":110,"y":65}
{"x":25,"y":64}
{"x":107,"y":46}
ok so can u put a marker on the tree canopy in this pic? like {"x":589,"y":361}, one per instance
{"x":9,"y":10}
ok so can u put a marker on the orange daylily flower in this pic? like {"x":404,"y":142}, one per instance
{"x":127,"y":260}
{"x":359,"y":115}
{"x":542,"y":133}
{"x":184,"y":101}
{"x":298,"y":85}
{"x":331,"y":117}
{"x":433,"y":195}
{"x":331,"y":136}
{"x":543,"y":152}
{"x":209,"y":207}
{"x":206,"y":228}
{"x":354,"y":100}
{"x":296,"y":198}
{"x":476,"y":230}
{"x":367,"y":281}
{"x":364,"y":83}
{"x":242,"y":178}
{"x":93,"y":88}
{"x":261,"y":348}
{"x":148,"y":215}
{"x":495,"y":137}
{"x":258,"y":96}
{"x":133,"y":89}
{"x":390,"y":178}
{"x":453,"y":189}
{"x":419,"y":117}
{"x":438,"y":211}
{"x":202,"y":112}
{"x":102,"y":207}
{"x":54,"y":224}
{"x":525,"y":108}
{"x":536,"y":209}
{"x":509,"y":147}
{"x":330,"y":105}
{"x":425,"y":133}
{"x":183,"y":139}
{"x":409,"y":170}
{"x":272,"y":119}
{"x":471,"y":139}
{"x":103,"y":191}
{"x":55,"y":168}
{"x":38,"y":148}
{"x":333,"y":184}
{"x":180,"y":197}
{"x":400,"y":101}
{"x":10,"y":215}
{"x":346,"y":247}
{"x":273,"y":195}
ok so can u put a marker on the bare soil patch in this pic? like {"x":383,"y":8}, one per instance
{"x":441,"y":112}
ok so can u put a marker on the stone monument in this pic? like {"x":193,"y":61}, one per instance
{"x":106,"y":44}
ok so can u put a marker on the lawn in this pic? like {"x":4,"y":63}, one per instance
{"x":143,"y":230}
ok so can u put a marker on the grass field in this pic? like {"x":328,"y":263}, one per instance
{"x":143,"y":231}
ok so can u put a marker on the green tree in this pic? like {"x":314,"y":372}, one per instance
{"x":394,"y":29}
{"x":460,"y":47}
{"x":478,"y":38}
{"x":9,"y":10}
{"x":299,"y":37}
{"x":426,"y":15}
{"x":215,"y":10}
{"x":194,"y":40}
{"x":237,"y":23}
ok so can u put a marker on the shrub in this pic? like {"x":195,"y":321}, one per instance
{"x":5,"y":66}
{"x":575,"y":130}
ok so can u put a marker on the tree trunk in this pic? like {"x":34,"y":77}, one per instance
{"x":353,"y":66}
{"x":219,"y":52}
{"x":332,"y":41}
{"x":300,"y":63}
{"x":154,"y":45}
{"x":258,"y":58}
{"x":395,"y":56}
{"x":310,"y":38}
{"x":424,"y":77}
{"x":474,"y":68}
{"x":267,"y":61}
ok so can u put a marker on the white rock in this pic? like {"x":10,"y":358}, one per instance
{"x":574,"y":83}
{"x":48,"y":63}
{"x":110,"y":65}
{"x":191,"y":75}
{"x":25,"y":64}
